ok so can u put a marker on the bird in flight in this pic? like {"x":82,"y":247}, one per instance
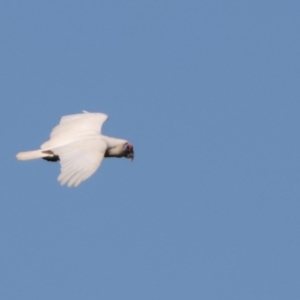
{"x":77,"y":143}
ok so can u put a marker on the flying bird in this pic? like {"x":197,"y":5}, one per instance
{"x":77,"y":143}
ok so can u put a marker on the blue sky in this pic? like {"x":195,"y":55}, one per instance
{"x":208,"y":93}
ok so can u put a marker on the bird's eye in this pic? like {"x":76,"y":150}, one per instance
{"x":128,"y":147}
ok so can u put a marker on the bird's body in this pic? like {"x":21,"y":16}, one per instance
{"x":77,"y":143}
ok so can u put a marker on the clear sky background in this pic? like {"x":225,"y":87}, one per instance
{"x":208,"y":92}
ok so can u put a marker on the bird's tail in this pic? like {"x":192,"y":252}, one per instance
{"x":31,"y":155}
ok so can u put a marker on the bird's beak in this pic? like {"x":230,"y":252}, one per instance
{"x":131,"y":155}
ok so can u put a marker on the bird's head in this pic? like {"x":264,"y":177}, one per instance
{"x":128,"y":151}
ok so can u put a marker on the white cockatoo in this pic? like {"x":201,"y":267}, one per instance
{"x":77,"y":143}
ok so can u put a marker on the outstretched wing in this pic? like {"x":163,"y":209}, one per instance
{"x":75,"y":127}
{"x":80,"y":160}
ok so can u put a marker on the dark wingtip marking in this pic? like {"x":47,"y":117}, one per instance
{"x":51,"y":158}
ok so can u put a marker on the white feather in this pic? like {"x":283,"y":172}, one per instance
{"x":79,"y":160}
{"x":75,"y":127}
{"x":79,"y":144}
{"x":31,"y":155}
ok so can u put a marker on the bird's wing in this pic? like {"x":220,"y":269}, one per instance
{"x":75,"y":127}
{"x":79,"y":160}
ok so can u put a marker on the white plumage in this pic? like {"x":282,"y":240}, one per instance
{"x":80,"y":147}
